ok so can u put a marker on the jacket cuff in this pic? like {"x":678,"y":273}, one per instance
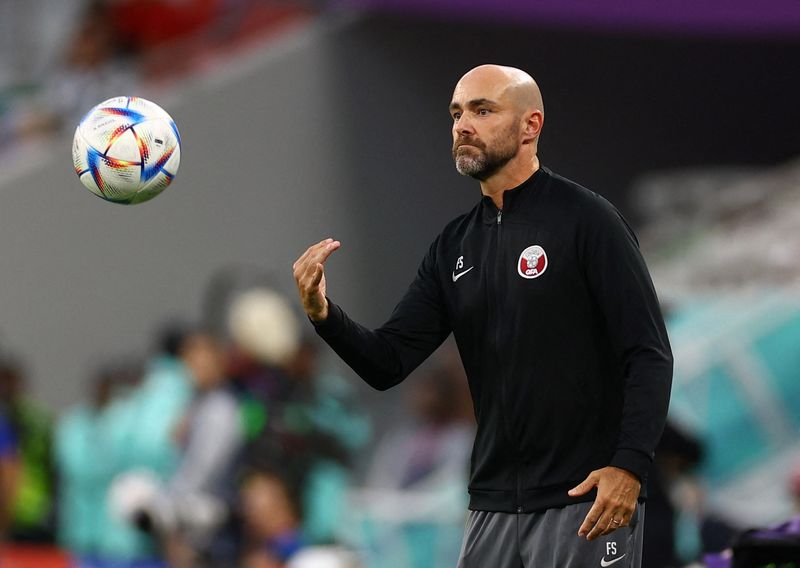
{"x":332,"y":324}
{"x":634,"y":461}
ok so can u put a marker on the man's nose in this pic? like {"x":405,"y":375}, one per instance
{"x":463,"y":125}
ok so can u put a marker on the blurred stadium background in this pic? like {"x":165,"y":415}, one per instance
{"x":304,"y":119}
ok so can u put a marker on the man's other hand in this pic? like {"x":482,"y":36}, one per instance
{"x":617,"y":492}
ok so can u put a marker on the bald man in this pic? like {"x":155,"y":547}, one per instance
{"x":559,"y":328}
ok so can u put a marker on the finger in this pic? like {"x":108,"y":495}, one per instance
{"x":600,"y":528}
{"x":301,"y":264}
{"x":584,"y":486}
{"x":318,"y":258}
{"x":309,"y":250}
{"x":623,"y":512}
{"x":321,"y":254}
{"x":612,"y":526}
{"x":318,"y":255}
{"x":591,"y":519}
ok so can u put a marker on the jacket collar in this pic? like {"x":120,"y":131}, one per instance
{"x":514,"y":197}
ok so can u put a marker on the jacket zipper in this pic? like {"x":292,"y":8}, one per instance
{"x":504,"y":395}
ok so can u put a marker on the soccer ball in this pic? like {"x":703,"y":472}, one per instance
{"x":126,"y":150}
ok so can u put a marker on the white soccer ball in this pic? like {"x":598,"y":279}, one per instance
{"x":126,"y":150}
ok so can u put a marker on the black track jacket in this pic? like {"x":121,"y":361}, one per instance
{"x":560,"y":332}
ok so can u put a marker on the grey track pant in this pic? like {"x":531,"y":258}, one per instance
{"x":548,"y":540}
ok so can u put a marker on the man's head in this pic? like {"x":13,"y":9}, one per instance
{"x":497,"y":118}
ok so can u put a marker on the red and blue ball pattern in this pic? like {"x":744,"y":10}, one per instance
{"x":126,"y":150}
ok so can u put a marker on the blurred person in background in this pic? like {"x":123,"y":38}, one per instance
{"x":436,"y":448}
{"x":92,"y":447}
{"x":93,"y":69}
{"x":32,"y":513}
{"x":194,"y":514}
{"x":148,"y":412}
{"x":32,"y":35}
{"x":9,"y":475}
{"x":78,"y":441}
{"x":272,"y":517}
{"x":158,"y":405}
{"x":413,"y":501}
{"x":298,"y":418}
{"x":272,"y":514}
{"x":680,"y":528}
{"x":677,"y":455}
{"x":323,"y":411}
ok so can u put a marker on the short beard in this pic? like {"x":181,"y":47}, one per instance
{"x":489,"y":160}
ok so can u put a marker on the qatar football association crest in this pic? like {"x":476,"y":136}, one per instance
{"x":532,"y":262}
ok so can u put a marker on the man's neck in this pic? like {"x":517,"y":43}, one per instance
{"x":511,"y":176}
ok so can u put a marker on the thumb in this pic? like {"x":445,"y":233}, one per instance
{"x":584,"y":487}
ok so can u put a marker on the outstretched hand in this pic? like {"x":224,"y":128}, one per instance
{"x":617,"y":492}
{"x":309,"y":274}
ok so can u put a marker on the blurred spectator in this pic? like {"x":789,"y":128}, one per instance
{"x":90,"y":72}
{"x":32,"y":36}
{"x":412,"y":505}
{"x":158,"y":405}
{"x":436,"y":448}
{"x":9,"y":474}
{"x":324,"y":410}
{"x":59,"y":58}
{"x":263,"y":327}
{"x":676,"y":456}
{"x":32,"y":510}
{"x":79,"y":439}
{"x":146,"y":419}
{"x":679,"y":529}
{"x":271,"y":512}
{"x":195,"y":511}
{"x":91,"y":449}
{"x":298,"y":418}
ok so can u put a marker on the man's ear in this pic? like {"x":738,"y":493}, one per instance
{"x":534,"y":121}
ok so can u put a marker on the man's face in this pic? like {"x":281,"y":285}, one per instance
{"x":486,"y":128}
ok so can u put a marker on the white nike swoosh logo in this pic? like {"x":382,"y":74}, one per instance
{"x":460,"y":274}
{"x":605,"y":563}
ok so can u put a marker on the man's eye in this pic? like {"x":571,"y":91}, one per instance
{"x":483,"y":111}
{"x":456,"y":115}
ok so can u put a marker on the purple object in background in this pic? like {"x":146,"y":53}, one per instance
{"x":775,"y":534}
{"x":721,"y":560}
{"x":766,"y":18}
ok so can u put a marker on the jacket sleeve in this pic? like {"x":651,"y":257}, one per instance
{"x":622,"y":289}
{"x":385,"y":356}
